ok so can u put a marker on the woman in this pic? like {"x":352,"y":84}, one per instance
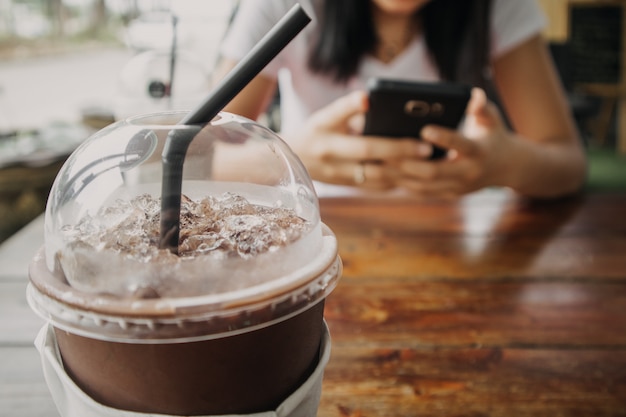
{"x":322,"y":74}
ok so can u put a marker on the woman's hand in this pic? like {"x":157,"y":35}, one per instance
{"x":476,"y":158}
{"x":334,"y":151}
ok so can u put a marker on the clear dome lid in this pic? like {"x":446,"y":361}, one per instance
{"x":238,"y":243}
{"x":249,"y":214}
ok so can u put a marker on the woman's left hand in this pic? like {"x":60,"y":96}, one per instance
{"x":476,"y":156}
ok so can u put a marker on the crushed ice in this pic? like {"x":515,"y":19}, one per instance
{"x":225,"y":226}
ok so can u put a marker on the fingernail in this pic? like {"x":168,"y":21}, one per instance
{"x":429,"y":132}
{"x":423,"y":149}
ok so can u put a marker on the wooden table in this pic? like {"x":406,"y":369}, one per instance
{"x":494,"y":306}
{"x":489,"y":306}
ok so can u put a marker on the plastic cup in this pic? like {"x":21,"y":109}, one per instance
{"x":206,"y":335}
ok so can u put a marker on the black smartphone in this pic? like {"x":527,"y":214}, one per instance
{"x":401,"y":108}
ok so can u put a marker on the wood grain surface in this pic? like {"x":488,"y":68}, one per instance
{"x":491,"y":305}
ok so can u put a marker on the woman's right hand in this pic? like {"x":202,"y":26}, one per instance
{"x":333,"y":149}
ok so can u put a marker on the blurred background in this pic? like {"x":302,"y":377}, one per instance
{"x":70,"y":67}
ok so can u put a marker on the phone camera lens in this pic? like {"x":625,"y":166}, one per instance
{"x":416,"y":108}
{"x":436,"y":109}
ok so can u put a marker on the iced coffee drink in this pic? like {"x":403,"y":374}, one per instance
{"x":232,"y":323}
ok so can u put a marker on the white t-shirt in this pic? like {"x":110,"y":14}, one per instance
{"x":303,"y":92}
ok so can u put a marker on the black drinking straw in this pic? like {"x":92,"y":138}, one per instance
{"x":178,"y":141}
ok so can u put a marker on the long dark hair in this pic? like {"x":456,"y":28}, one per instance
{"x":456,"y":34}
